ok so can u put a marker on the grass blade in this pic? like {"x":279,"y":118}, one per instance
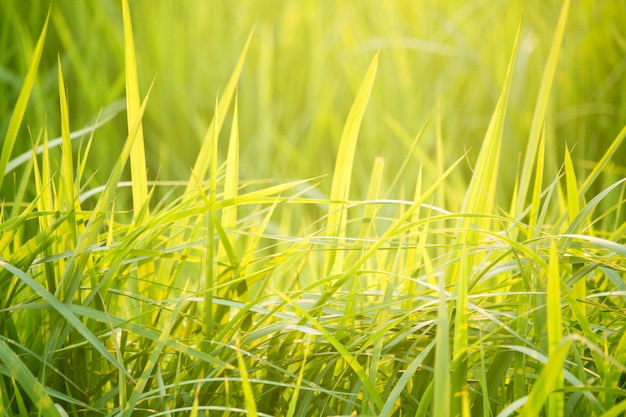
{"x":248,"y":393}
{"x":340,"y":188}
{"x":540,"y":109}
{"x":69,"y":202}
{"x":201,"y":165}
{"x":22,"y":102}
{"x":138,"y":168}
{"x":554,"y":325}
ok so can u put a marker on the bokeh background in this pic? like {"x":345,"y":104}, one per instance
{"x":442,"y":63}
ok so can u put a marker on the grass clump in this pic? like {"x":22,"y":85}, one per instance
{"x":434,"y":281}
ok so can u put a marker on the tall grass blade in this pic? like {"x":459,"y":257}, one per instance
{"x":600,"y":166}
{"x":138,"y":168}
{"x":479,"y":198}
{"x":68,"y":192}
{"x":554,"y":325}
{"x":573,"y":209}
{"x":22,"y":101}
{"x":342,"y":175}
{"x":203,"y":161}
{"x":540,"y":109}
{"x":535,"y":207}
{"x":231,"y":177}
{"x":228,"y":222}
{"x":441,"y":374}
{"x":248,"y":393}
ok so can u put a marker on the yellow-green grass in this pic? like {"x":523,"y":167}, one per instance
{"x":373,"y":209}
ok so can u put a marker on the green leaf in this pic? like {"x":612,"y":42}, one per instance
{"x":138,"y":168}
{"x":342,"y":175}
{"x":22,"y":102}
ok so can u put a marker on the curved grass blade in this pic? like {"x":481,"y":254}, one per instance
{"x":22,"y":102}
{"x":342,"y":175}
{"x":540,"y":109}
{"x":248,"y":393}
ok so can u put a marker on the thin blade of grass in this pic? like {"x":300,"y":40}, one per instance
{"x":554,"y":325}
{"x":573,"y":209}
{"x":138,"y":168}
{"x":536,"y":197}
{"x":67,"y":192}
{"x":540,"y":109}
{"x":479,"y":198}
{"x":248,"y":393}
{"x":342,"y":175}
{"x":228,"y":222}
{"x":602,"y":163}
{"x":202,"y":163}
{"x":404,"y":380}
{"x":293,"y":402}
{"x":231,"y":177}
{"x":441,"y":374}
{"x":22,"y":102}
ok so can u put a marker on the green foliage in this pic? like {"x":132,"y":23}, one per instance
{"x":454,"y":243}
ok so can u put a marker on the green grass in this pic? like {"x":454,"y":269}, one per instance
{"x":313,"y":209}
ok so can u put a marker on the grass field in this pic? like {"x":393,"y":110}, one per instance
{"x":313,"y":208}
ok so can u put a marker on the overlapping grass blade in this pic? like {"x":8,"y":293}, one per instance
{"x":370,"y":389}
{"x":155,"y":356}
{"x":33,"y":388}
{"x":65,"y":312}
{"x":203,"y":161}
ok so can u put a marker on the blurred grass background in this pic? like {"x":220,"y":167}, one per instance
{"x":442,"y":63}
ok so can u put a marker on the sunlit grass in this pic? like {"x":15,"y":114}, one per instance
{"x":388,"y":267}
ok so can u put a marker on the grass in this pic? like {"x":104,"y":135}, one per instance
{"x":325,"y":210}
